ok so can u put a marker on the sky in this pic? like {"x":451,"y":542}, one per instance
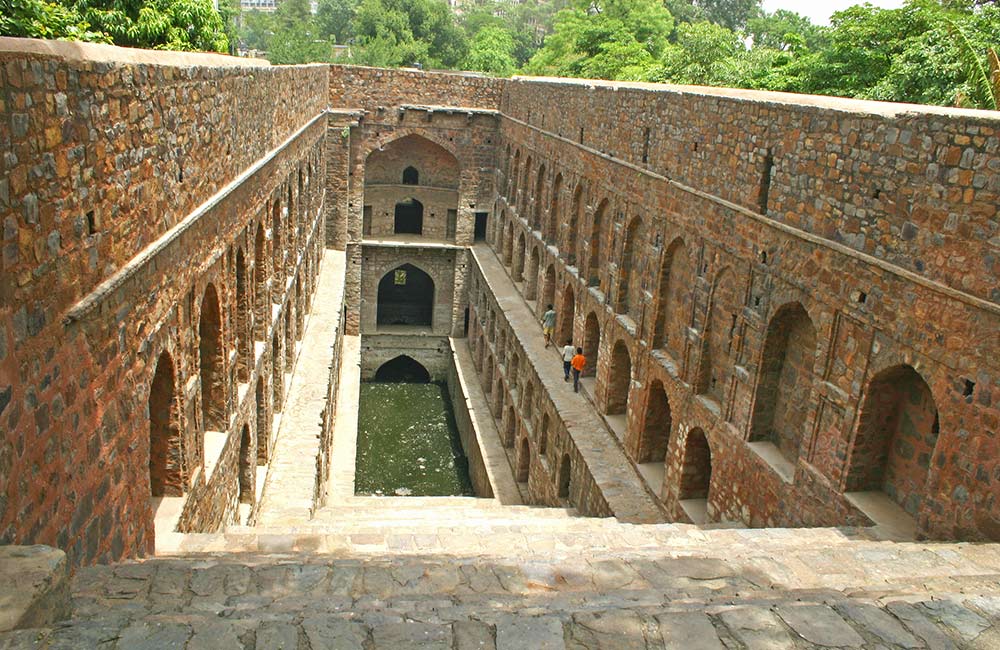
{"x":819,"y":10}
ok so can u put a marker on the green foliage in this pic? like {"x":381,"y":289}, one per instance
{"x":732,"y":14}
{"x":40,"y":19}
{"x":492,"y":51}
{"x":158,"y":24}
{"x":407,"y":32}
{"x":334,"y":19}
{"x":608,"y":39}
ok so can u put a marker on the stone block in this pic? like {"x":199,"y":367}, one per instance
{"x":34,"y":587}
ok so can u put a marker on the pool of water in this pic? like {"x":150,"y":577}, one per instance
{"x":408,"y":444}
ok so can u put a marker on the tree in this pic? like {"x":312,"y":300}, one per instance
{"x":492,"y":51}
{"x":784,"y":30}
{"x":405,"y":32}
{"x":733,"y":14}
{"x":607,"y":39}
{"x":158,"y":24}
{"x":334,"y":18}
{"x":700,"y":50}
{"x":40,"y":19}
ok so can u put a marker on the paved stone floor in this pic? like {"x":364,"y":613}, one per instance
{"x":764,"y":592}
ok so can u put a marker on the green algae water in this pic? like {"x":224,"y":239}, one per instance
{"x":408,"y":443}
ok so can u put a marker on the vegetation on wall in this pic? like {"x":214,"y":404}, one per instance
{"x":928,"y":51}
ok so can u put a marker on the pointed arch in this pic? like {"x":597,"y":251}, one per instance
{"x":596,"y":234}
{"x":896,"y":438}
{"x":211,"y":358}
{"x":263,"y":441}
{"x":575,"y":212}
{"x":628,"y":268}
{"x":524,"y":461}
{"x":511,"y":430}
{"x":515,"y":172}
{"x":720,"y":333}
{"x":277,"y":252}
{"x":567,"y":316}
{"x":543,"y":435}
{"x":674,"y":300}
{"x":411,"y":176}
{"x":565,"y":476}
{"x":261,"y":306}
{"x":538,"y":199}
{"x":591,"y":344}
{"x":406,"y":297}
{"x":247,"y":470}
{"x":244,"y":343}
{"x":517,"y":271}
{"x":655,"y":436}
{"x":619,"y":379}
{"x":531,"y":280}
{"x":548,"y":296}
{"x":403,"y":369}
{"x":526,"y":189}
{"x":552,"y":223}
{"x":696,"y":467}
{"x":784,"y":380}
{"x":166,"y":475}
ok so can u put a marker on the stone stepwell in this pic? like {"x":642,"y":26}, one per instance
{"x":469,"y":573}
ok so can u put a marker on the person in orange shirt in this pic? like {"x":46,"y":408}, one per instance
{"x":578,"y":363}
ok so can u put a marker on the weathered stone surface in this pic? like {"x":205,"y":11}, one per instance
{"x":820,"y":626}
{"x":34,"y":587}
{"x":543,"y":633}
{"x":472,"y":635}
{"x":278,"y":636}
{"x":757,"y":629}
{"x":329,"y":632}
{"x":880,"y":623}
{"x":688,"y":631}
{"x":412,"y":636}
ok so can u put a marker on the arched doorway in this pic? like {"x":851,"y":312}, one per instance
{"x":211,"y":363}
{"x":244,"y":345}
{"x":165,"y":457}
{"x":511,"y":431}
{"x":531,"y":281}
{"x":406,"y":297}
{"x":247,"y":467}
{"x":524,"y":461}
{"x":696,"y":476}
{"x":565,"y":475}
{"x":784,"y":381}
{"x":619,"y":379}
{"x":411,"y":176}
{"x":897,"y":435}
{"x":576,"y":209}
{"x":538,"y":199}
{"x":488,"y":376}
{"x":673,"y":309}
{"x":628,"y":268}
{"x":403,"y":369}
{"x":517,"y":271}
{"x":409,"y":217}
{"x":655,"y":436}
{"x":594,"y":258}
{"x":713,"y":378}
{"x":262,"y":425}
{"x":548,"y":288}
{"x":543,"y":435}
{"x":277,"y":252}
{"x":552,"y":223}
{"x":591,"y":344}
{"x":261,"y":307}
{"x":567,"y":314}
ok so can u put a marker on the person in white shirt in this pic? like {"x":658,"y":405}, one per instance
{"x":568,"y":352}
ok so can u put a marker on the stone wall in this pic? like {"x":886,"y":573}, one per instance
{"x":381,"y":91}
{"x":135,"y":195}
{"x":770,"y":326}
{"x":432,"y":352}
{"x":467,"y":429}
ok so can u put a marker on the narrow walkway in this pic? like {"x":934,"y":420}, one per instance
{"x":343,"y":456}
{"x":498,"y":467}
{"x":619,"y":482}
{"x":290,"y":490}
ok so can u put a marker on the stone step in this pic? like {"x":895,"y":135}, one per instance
{"x":307,"y":602}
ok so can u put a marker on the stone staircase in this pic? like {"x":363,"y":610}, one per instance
{"x":508,"y":579}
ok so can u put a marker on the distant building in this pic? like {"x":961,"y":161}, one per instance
{"x":259,"y":5}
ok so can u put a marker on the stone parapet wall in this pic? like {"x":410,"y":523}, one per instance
{"x":374,"y":88}
{"x":915,"y":186}
{"x":110,"y":253}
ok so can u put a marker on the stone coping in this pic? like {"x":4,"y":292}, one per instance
{"x":14,"y":48}
{"x":841,"y":104}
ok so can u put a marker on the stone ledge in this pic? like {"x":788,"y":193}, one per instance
{"x":99,"y":52}
{"x":34,"y":587}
